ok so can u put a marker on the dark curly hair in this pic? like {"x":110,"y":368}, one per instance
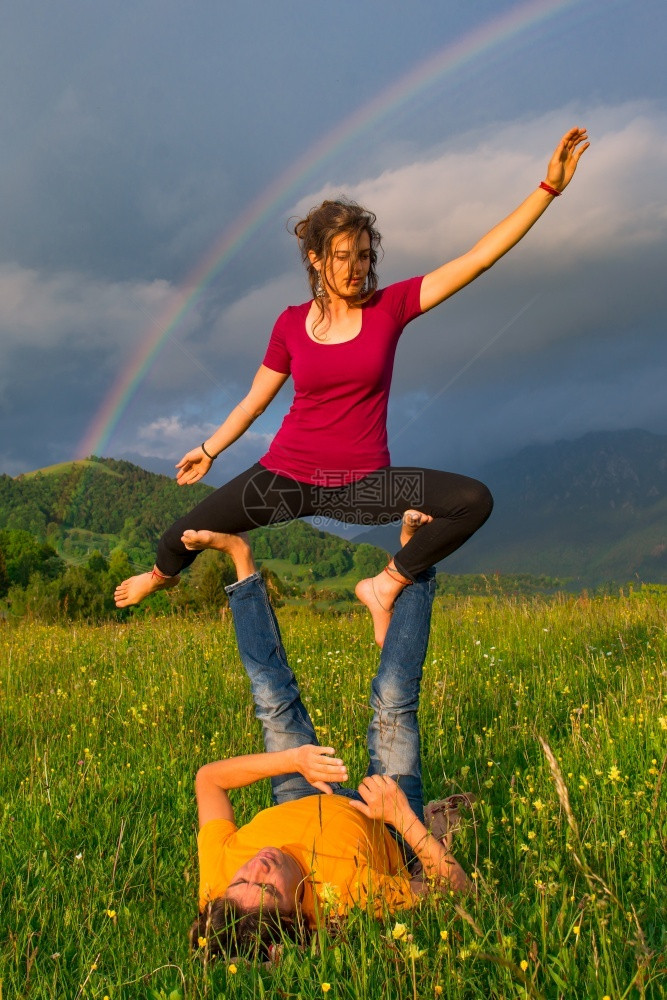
{"x":233,"y":932}
{"x":317,"y":232}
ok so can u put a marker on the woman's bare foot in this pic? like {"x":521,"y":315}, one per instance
{"x":379,"y":592}
{"x":371,"y":592}
{"x":136,"y":588}
{"x":236,"y":547}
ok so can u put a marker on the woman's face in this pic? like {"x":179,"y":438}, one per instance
{"x":272,"y":878}
{"x":344,"y":276}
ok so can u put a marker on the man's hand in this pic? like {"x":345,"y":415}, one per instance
{"x":384,"y":800}
{"x":318,"y":766}
{"x":215,"y":779}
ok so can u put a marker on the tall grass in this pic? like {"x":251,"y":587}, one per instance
{"x":102,"y":730}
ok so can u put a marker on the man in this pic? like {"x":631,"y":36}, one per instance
{"x":321,"y":849}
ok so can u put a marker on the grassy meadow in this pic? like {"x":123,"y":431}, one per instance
{"x":103,"y":728}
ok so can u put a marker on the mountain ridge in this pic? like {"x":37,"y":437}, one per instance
{"x":592,"y":509}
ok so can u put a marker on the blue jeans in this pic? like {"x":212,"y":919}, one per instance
{"x":393,"y":735}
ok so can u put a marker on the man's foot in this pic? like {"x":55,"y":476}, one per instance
{"x":136,"y":588}
{"x":235,"y":546}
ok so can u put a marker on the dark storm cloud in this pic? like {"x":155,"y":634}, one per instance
{"x":134,"y":135}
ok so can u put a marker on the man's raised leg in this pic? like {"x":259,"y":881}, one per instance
{"x":393,"y":735}
{"x":278,"y":706}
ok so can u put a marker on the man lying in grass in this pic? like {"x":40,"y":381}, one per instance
{"x":321,"y":847}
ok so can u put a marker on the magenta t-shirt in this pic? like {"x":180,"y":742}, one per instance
{"x":336,"y":429}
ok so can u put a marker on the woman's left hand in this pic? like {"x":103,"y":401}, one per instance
{"x":318,"y":766}
{"x":193,"y":467}
{"x":563,"y":163}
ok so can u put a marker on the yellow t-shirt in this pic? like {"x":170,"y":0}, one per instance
{"x":347,"y":859}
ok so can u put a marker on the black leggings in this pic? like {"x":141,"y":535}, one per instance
{"x":257,"y":498}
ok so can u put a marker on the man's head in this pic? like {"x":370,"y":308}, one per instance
{"x":259,"y":909}
{"x":223,"y":928}
{"x":272,"y":879}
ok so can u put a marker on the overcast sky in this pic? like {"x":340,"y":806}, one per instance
{"x":135,"y":134}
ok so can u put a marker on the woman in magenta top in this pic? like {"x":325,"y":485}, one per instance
{"x":330,"y":456}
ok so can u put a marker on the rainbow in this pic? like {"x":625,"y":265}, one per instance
{"x":446,"y":61}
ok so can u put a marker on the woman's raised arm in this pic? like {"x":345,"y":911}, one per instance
{"x":266,"y":384}
{"x":448,"y":279}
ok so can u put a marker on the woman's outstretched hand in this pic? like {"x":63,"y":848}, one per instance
{"x":563,"y":163}
{"x":318,"y":767}
{"x":193,"y":467}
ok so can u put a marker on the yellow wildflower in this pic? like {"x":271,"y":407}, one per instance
{"x":326,"y":987}
{"x":576,"y":929}
{"x":414,"y":952}
{"x":438,"y":990}
{"x":524,"y":965}
{"x":232,"y":969}
{"x":201,"y":941}
{"x":111,"y":913}
{"x":444,"y":935}
{"x":399,"y":931}
{"x":614,"y":773}
{"x":329,"y":894}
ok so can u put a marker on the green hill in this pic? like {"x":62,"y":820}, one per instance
{"x":101,"y":504}
{"x":104,"y":496}
{"x":69,"y":533}
{"x":68,"y":467}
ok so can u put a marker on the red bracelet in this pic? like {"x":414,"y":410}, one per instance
{"x":548,"y":188}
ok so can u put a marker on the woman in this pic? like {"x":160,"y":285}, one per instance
{"x":330,"y":456}
{"x":321,"y":849}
